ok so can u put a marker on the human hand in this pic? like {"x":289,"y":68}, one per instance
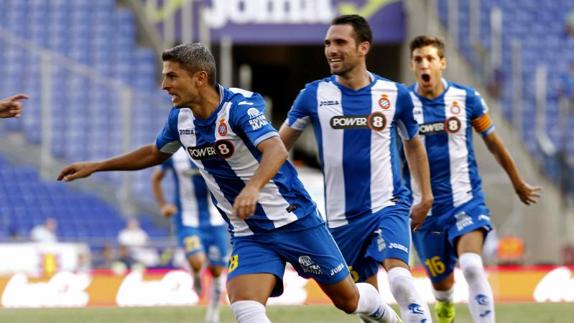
{"x":167,"y":210}
{"x":528,"y":194}
{"x":246,"y":202}
{"x":77,"y":170}
{"x":11,"y":107}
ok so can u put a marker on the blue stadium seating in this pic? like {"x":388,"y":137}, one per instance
{"x":86,"y":113}
{"x":540,"y":26}
{"x":28,"y":201}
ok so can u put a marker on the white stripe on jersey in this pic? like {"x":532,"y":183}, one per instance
{"x":419,"y":117}
{"x":187,"y":196}
{"x":457,"y":148}
{"x":381,"y":173}
{"x":185,"y":121}
{"x":245,"y":165}
{"x":187,"y":199}
{"x":332,"y":157}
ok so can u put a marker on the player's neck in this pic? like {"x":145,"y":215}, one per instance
{"x":355,"y":79}
{"x":208,"y":102}
{"x":432,"y":93}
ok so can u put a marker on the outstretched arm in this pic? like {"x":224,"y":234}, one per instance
{"x":527,"y":194}
{"x":273,"y":157}
{"x":166,"y":209}
{"x":11,"y":107}
{"x":417,"y":159}
{"x":143,"y":157}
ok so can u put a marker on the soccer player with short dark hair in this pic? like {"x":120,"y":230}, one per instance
{"x":459,"y":220}
{"x":270,"y":215}
{"x":357,"y":118}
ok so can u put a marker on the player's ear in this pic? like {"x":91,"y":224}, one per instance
{"x":364,"y":48}
{"x":443,"y":63}
{"x":202,"y":77}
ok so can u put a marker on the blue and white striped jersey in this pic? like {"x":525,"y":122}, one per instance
{"x":356,"y":132}
{"x":223,"y":147}
{"x":445,"y":124}
{"x":191,"y":194}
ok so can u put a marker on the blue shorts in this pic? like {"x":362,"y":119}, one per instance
{"x":435,"y":239}
{"x":210,"y":240}
{"x":312,"y":252}
{"x":369,"y":240}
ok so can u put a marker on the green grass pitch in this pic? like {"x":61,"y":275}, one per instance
{"x":505,"y":313}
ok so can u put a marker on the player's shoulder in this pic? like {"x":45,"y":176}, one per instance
{"x":389,"y":84}
{"x":469,"y":90}
{"x":312,"y":86}
{"x":239,"y":97}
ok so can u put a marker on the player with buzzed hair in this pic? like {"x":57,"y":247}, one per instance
{"x":269,"y":213}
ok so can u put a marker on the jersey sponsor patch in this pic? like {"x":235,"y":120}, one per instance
{"x":221,"y":148}
{"x":256,"y":118}
{"x":375,"y":121}
{"x":309,"y":266}
{"x":451,"y":125}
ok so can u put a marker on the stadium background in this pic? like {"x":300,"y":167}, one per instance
{"x":92,"y":70}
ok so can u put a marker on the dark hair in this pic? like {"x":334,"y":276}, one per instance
{"x":193,"y":58}
{"x":360,"y":26}
{"x":424,"y":40}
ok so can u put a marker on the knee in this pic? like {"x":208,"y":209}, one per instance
{"x":472,"y":273}
{"x":347,"y":304}
{"x":216,"y":271}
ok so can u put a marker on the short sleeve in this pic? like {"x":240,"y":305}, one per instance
{"x":480,"y":119}
{"x":406,"y":123}
{"x":167,"y":141}
{"x":300,"y":112}
{"x":248,"y":117}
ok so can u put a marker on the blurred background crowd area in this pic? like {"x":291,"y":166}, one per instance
{"x":92,"y":69}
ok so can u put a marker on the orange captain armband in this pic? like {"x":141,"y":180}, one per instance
{"x":483,"y":124}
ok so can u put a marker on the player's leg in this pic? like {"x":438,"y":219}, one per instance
{"x":248,"y":295}
{"x":353,"y":241}
{"x":438,"y":257}
{"x":392,"y":249}
{"x":481,"y":301}
{"x":443,"y":292}
{"x":215,"y":241}
{"x":314,"y":254}
{"x":254,"y":274}
{"x":413,"y":307}
{"x":190,"y":240}
{"x":362,"y":299}
{"x":472,"y":222}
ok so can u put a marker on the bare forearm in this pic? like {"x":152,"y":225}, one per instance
{"x":140,"y":158}
{"x":273,"y":157}
{"x":157,"y":189}
{"x":418,"y":165}
{"x":503,"y":157}
{"x":289,"y":136}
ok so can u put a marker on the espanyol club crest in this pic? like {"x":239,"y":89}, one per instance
{"x":384,"y":102}
{"x":455,"y":108}
{"x":222,"y":128}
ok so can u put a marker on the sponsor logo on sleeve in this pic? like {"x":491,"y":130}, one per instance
{"x":257,"y":119}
